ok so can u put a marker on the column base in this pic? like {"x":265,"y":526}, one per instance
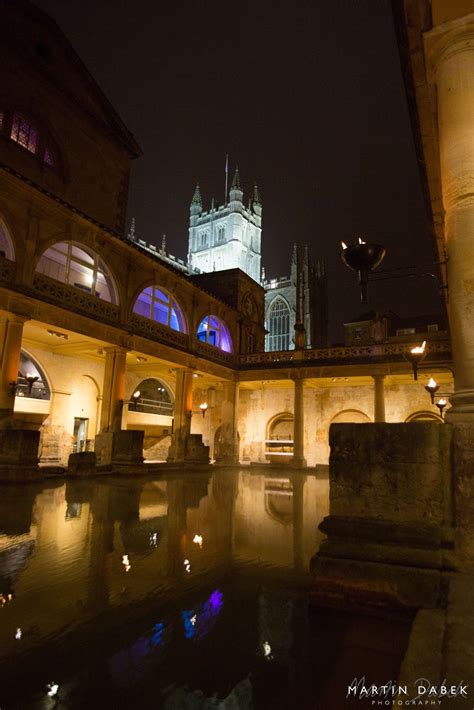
{"x":298,"y":462}
{"x":118,"y":448}
{"x":19,"y":454}
{"x":188,"y":449}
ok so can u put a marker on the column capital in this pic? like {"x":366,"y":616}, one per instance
{"x":13,"y":317}
{"x":446,"y":40}
{"x":110,"y":349}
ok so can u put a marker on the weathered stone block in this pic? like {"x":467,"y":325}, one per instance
{"x":82,"y":463}
{"x":119,"y":448}
{"x":19,"y":447}
{"x":389,"y":532}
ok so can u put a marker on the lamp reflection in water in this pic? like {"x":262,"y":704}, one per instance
{"x":197,"y":539}
{"x":415,"y":356}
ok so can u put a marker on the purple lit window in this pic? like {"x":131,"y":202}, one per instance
{"x":157,"y":304}
{"x":213,"y":331}
{"x":24,"y":133}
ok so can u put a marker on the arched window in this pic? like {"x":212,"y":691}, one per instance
{"x":152,"y":397}
{"x":6,"y":244}
{"x":80,"y":267}
{"x":220,"y":234}
{"x":203,"y":238}
{"x":278,"y":325}
{"x":214,"y":332}
{"x":32,"y":382}
{"x":157,"y":304}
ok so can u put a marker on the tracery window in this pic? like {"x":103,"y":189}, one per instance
{"x":159,"y":305}
{"x":279,"y":325}
{"x":80,"y":267}
{"x":24,"y":131}
{"x":220,"y":234}
{"x":213,"y":330}
{"x":203,"y":238}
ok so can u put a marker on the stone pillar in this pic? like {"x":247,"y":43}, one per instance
{"x":183,"y":409}
{"x":11,"y":332}
{"x":379,"y":398}
{"x":299,"y":460}
{"x":114,"y":389}
{"x":228,"y":452}
{"x":121,"y":449}
{"x":449,"y":50}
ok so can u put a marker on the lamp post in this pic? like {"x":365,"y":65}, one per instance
{"x":364,"y":258}
{"x":31,"y":379}
{"x":203,"y":407}
{"x":415,"y":356}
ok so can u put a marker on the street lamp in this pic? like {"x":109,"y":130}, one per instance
{"x":31,"y":379}
{"x":203,"y":407}
{"x":415,"y":356}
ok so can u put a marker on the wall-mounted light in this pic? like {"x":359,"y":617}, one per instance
{"x":135,"y":398}
{"x":432,"y":387}
{"x":415,"y":356}
{"x":441,"y":404}
{"x":203,"y":407}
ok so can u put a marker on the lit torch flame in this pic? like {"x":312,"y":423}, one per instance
{"x":419,"y":349}
{"x":361,"y":241}
{"x":343,"y":245}
{"x":442,"y":402}
{"x":432,"y":383}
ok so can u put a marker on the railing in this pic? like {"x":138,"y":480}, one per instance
{"x":213,"y":353}
{"x":74,"y":299}
{"x":151,"y":329}
{"x":436,"y":350}
{"x":7,"y":269}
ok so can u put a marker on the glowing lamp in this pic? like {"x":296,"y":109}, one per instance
{"x":136,"y":397}
{"x":31,"y":379}
{"x":432,"y":387}
{"x":203,"y":407}
{"x":415,"y":356}
{"x":441,"y":403}
{"x":363,"y":258}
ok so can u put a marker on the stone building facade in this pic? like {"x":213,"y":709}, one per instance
{"x":107,"y":346}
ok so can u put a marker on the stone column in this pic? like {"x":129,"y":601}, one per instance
{"x":449,"y":50}
{"x":379,"y":398}
{"x":114,"y":389}
{"x":183,"y":409}
{"x":299,"y":460}
{"x":229,"y":439}
{"x":11,"y":332}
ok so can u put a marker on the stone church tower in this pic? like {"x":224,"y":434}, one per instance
{"x":228,"y":236}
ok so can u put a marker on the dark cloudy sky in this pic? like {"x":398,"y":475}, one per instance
{"x":306,"y":97}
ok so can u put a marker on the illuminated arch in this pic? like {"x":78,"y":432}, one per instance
{"x":424,"y":416}
{"x":30,"y":368}
{"x":154,"y":397}
{"x":351,"y":416}
{"x":278,"y":325}
{"x":77,"y":265}
{"x":158,"y":304}
{"x":6,"y":243}
{"x":213,"y":331}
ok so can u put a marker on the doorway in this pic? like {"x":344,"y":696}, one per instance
{"x":80,"y":435}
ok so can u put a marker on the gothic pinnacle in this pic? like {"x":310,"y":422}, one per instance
{"x":236,"y":181}
{"x":256,"y":196}
{"x":197,"y":196}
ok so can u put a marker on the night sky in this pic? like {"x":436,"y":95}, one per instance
{"x":306,"y":97}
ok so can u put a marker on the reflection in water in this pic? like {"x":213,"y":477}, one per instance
{"x":202,"y":577}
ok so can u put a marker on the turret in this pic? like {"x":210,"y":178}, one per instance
{"x":236,"y":193}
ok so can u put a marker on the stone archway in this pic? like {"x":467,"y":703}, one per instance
{"x":279,"y":439}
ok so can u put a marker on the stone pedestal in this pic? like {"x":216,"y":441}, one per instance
{"x":119,"y":448}
{"x":18,"y":454}
{"x":196,"y":452}
{"x":82,"y":463}
{"x":390,"y":537}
